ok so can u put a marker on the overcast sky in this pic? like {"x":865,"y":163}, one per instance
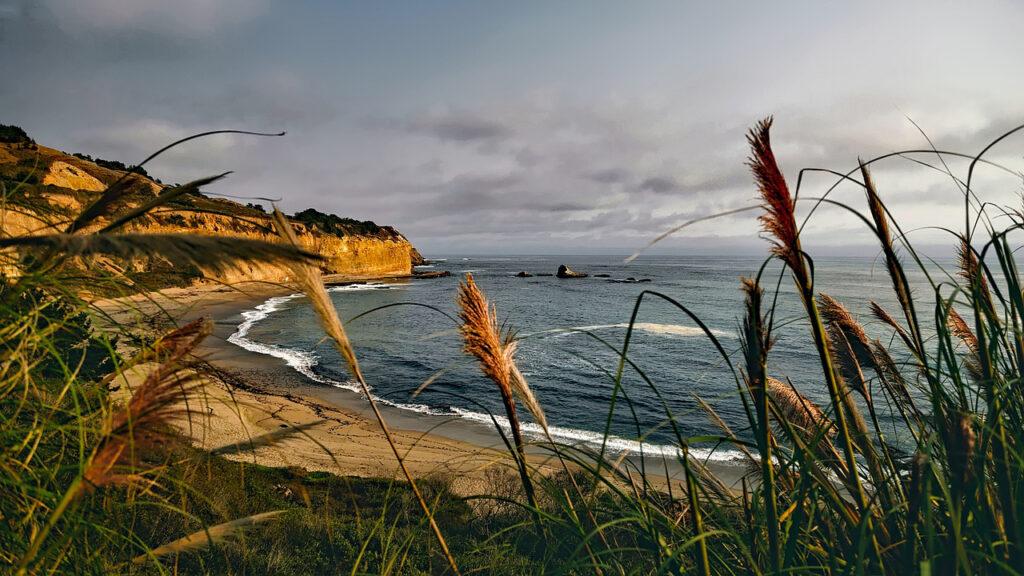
{"x":528,"y":127}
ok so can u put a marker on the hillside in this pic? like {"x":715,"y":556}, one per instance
{"x":45,"y":188}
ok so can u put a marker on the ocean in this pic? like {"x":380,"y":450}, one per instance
{"x":570,"y":332}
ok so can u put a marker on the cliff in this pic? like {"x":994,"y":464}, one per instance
{"x":45,"y":188}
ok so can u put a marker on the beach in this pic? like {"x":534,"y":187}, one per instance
{"x":253,"y":407}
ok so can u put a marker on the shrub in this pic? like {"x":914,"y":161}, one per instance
{"x":10,"y":134}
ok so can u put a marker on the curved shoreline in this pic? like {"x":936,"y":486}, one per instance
{"x":261,"y":409}
{"x":305,"y":362}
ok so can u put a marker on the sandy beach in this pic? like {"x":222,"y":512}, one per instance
{"x":253,"y":407}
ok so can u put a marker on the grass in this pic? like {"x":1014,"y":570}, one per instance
{"x":95,"y":484}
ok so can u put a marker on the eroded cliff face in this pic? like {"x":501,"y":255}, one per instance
{"x":356,"y":256}
{"x":53,"y":187}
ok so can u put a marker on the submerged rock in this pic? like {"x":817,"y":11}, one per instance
{"x":602,"y":275}
{"x":566,"y":272}
{"x":524,"y":274}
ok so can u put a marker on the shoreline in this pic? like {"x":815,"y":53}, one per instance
{"x":258,"y":409}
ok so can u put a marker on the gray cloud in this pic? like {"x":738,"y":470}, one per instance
{"x":609,"y":176}
{"x":659,"y":184}
{"x":181,"y":18}
{"x":458,"y":128}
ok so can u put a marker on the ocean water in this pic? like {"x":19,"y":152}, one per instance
{"x":571,"y":331}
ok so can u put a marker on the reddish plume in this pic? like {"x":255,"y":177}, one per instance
{"x":779,"y":219}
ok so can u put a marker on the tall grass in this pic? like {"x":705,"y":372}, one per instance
{"x":833,"y":493}
{"x":828,"y":492}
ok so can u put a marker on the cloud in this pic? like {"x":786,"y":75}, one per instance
{"x":609,"y":176}
{"x":659,"y":184}
{"x":187,"y":18}
{"x":452,"y":127}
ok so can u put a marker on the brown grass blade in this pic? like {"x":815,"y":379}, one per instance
{"x":210,"y":253}
{"x":104,"y":204}
{"x":311,"y":282}
{"x":208,"y":536}
{"x":164,"y":197}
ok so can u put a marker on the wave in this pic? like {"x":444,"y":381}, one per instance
{"x":300,"y":360}
{"x":613,"y":445}
{"x":423,"y":266}
{"x":304,"y":362}
{"x":361,"y":287}
{"x":648,"y":327}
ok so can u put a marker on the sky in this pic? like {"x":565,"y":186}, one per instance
{"x":543,"y":127}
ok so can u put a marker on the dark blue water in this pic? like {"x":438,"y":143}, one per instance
{"x":571,"y":330}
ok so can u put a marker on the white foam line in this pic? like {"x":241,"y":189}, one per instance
{"x":303,"y":362}
{"x":614,"y":444}
{"x":361,"y":287}
{"x":648,"y":327}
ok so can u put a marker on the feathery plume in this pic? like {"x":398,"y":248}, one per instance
{"x":972,"y":362}
{"x":970,"y":270}
{"x":779,"y":219}
{"x":961,"y":330}
{"x":797,"y":408}
{"x":839,"y":317}
{"x":878,"y":312}
{"x":494,"y":351}
{"x":850,"y":344}
{"x":167,"y":345}
{"x":153,"y":403}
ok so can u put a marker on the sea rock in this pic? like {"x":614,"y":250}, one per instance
{"x":524,"y":274}
{"x":566,"y":272}
{"x":432,"y":274}
{"x":602,"y":275}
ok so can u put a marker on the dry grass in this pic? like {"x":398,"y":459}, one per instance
{"x":797,"y":409}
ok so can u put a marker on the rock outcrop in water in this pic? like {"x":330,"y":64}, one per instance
{"x":566,"y":272}
{"x":48,"y":186}
{"x":524,"y":274}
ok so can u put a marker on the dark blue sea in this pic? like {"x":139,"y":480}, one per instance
{"x":571,"y":331}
